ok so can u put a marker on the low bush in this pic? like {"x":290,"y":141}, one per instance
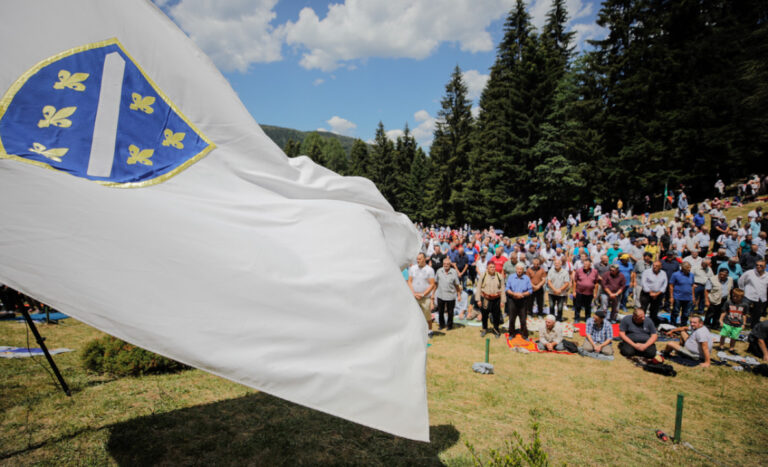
{"x":517,"y":454}
{"x":113,"y":356}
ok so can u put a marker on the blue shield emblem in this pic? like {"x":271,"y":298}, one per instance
{"x":93,"y":113}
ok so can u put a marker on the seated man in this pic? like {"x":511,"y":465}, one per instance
{"x":696,"y":345}
{"x":638,"y":335}
{"x":757,"y":341}
{"x":599,"y":335}
{"x":551,"y":335}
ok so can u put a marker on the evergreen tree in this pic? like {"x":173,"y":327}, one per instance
{"x":359,"y":160}
{"x":405,"y":150}
{"x":418,"y":202}
{"x":450,"y":153}
{"x":335,"y":157}
{"x":383,"y":166}
{"x":313,"y":146}
{"x":292,"y":148}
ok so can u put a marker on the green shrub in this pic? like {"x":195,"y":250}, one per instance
{"x":518,"y":454}
{"x":113,"y":356}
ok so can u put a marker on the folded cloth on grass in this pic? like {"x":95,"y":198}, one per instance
{"x":598,"y":356}
{"x":519,"y":342}
{"x":738,"y":358}
{"x":484,"y":368}
{"x":22,"y":352}
{"x":465,"y":322}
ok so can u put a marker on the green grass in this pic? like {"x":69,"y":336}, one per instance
{"x":589,"y":412}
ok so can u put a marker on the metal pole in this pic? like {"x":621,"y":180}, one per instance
{"x":487,"y":348}
{"x":678,"y":418}
{"x":40,"y":341}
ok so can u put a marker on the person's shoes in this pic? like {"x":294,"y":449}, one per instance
{"x":430,"y":334}
{"x":449,"y":328}
{"x":733,"y":352}
{"x":483,"y":332}
{"x":496,"y":333}
{"x":441,"y":328}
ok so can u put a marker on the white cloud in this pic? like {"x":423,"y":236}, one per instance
{"x":577,"y":9}
{"x":424,"y":131}
{"x":323,"y":130}
{"x":341,"y":126}
{"x":234,"y":33}
{"x":475,"y":111}
{"x":394,"y":134}
{"x":585,"y":32}
{"x":475,"y":82}
{"x":318,"y":81}
{"x":359,"y":29}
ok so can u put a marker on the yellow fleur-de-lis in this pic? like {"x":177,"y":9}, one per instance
{"x":173,"y":139}
{"x":142,"y":103}
{"x":71,"y":81}
{"x":54,"y":153}
{"x":56,"y":117}
{"x":140,"y":156}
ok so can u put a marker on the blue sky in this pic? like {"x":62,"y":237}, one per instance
{"x":344,"y":66}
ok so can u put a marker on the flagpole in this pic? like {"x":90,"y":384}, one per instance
{"x":41,"y":342}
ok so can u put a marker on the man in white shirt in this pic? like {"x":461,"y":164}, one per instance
{"x":697,"y":345}
{"x":421,"y":280}
{"x":654,"y":283}
{"x":755,"y":285}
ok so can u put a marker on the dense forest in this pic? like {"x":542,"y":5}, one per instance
{"x":676,"y":93}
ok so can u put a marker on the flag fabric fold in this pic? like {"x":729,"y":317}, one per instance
{"x":159,"y":212}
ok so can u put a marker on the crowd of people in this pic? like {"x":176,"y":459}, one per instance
{"x":691,"y":274}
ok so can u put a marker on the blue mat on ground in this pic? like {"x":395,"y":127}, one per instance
{"x":39,"y":317}
{"x":22,"y":352}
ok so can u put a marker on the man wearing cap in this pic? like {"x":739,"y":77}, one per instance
{"x":613,"y":284}
{"x":599,"y":335}
{"x":551,"y":335}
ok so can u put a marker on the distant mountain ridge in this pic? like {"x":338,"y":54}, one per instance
{"x":281,"y":135}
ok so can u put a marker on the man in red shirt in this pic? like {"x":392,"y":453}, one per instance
{"x":614,"y":284}
{"x":498,"y":260}
{"x":585,"y":282}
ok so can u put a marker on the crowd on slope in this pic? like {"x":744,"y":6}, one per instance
{"x":699,"y":270}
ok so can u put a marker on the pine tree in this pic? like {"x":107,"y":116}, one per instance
{"x":359,"y":159}
{"x":449,"y":153}
{"x":418,"y":202}
{"x":382,"y":165}
{"x":405,"y":151}
{"x":335,"y":157}
{"x":292,"y":148}
{"x":313,"y":146}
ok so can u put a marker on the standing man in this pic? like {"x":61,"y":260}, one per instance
{"x":461,"y":265}
{"x":614,"y":285}
{"x":644,"y":264}
{"x":489,"y":294}
{"x":558,"y":282}
{"x":681,"y":294}
{"x":448,"y":290}
{"x":436,"y":260}
{"x":518,"y":289}
{"x":754,"y":283}
{"x":538,"y":277}
{"x":585,"y":282}
{"x":421,"y":281}
{"x":654,"y":283}
{"x":670,"y":266}
{"x":627,"y":269}
{"x":716,"y":293}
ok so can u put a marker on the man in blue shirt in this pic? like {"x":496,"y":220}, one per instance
{"x":669,"y":265}
{"x":733,"y":267}
{"x":699,"y":220}
{"x":518,"y":289}
{"x":628,"y":269}
{"x":681,"y":294}
{"x":472,"y":253}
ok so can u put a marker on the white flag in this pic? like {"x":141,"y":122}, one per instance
{"x":140,"y":197}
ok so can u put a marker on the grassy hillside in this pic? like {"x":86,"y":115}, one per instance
{"x":281,"y":136}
